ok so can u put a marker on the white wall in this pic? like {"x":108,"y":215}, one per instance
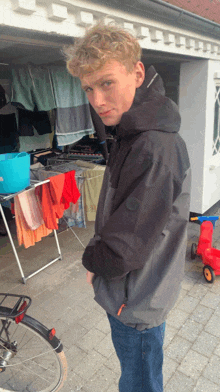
{"x":211,"y":191}
{"x":193,"y":110}
{"x":196,"y":104}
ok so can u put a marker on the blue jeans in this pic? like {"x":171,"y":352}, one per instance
{"x":141,"y":356}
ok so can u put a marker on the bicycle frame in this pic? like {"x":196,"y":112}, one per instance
{"x":19,"y":333}
{"x":18,"y":313}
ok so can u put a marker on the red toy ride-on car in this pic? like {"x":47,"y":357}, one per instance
{"x":210,"y":256}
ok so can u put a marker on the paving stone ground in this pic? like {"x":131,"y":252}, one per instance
{"x":63,"y":299}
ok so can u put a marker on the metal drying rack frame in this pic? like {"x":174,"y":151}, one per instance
{"x":34,"y":184}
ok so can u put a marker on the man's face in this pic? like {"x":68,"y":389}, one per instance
{"x":111,"y":89}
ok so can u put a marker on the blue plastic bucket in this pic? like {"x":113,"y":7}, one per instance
{"x":14,"y":172}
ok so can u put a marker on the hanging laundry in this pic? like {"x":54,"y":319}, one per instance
{"x":35,"y":142}
{"x":93,"y":178}
{"x":72,"y":124}
{"x":49,"y":210}
{"x":8,"y":109}
{"x":75,"y":215}
{"x":100,"y":130}
{"x":2,"y":97}
{"x":56,"y":190}
{"x":73,"y":120}
{"x":49,"y":88}
{"x":8,"y":133}
{"x":31,"y":208}
{"x":67,"y":89}
{"x":70,"y":190}
{"x":55,"y":197}
{"x":92,"y":188}
{"x":25,"y":234}
{"x":32,"y":87}
{"x":28,"y":120}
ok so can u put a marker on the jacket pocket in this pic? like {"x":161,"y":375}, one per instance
{"x":125,"y":301}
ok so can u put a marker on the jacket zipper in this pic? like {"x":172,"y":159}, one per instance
{"x":124,"y":304}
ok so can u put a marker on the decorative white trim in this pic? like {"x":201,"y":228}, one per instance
{"x":217,"y":75}
{"x":180,"y":41}
{"x":142,"y":32}
{"x":27,"y":7}
{"x":156,"y":35}
{"x":214,"y":49}
{"x":199,"y":45}
{"x":84,"y":18}
{"x":169,"y":38}
{"x":129,"y":26}
{"x":206,"y":47}
{"x":57,"y":12}
{"x":72,"y":17}
{"x":190,"y":43}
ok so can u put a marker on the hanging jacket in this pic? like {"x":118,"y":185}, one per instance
{"x":138,"y":251}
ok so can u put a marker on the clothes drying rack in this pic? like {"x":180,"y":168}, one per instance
{"x":55,"y":167}
{"x":6,"y":197}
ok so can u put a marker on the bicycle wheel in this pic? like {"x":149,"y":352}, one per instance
{"x":31,"y":362}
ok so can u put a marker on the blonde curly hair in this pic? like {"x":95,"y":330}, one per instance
{"x":100,"y":44}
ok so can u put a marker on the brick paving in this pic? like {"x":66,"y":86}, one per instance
{"x":63,"y":299}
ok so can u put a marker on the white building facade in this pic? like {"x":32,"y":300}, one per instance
{"x":177,"y":42}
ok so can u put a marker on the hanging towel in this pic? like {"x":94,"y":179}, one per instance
{"x":100,"y":131}
{"x":67,"y":89}
{"x":31,"y":208}
{"x":70,"y":191}
{"x":73,"y":120}
{"x":32,"y":87}
{"x":55,"y":197}
{"x":72,"y":124}
{"x":56,"y":190}
{"x":30,"y":143}
{"x":25,"y":235}
{"x":49,"y":212}
{"x":92,"y":187}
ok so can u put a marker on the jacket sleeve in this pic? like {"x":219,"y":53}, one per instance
{"x":141,"y":213}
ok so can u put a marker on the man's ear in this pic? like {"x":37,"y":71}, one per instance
{"x":140,"y":73}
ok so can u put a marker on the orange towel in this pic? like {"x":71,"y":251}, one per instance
{"x":56,"y":190}
{"x":25,"y":235}
{"x":49,"y":213}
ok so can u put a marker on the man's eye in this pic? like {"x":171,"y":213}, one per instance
{"x":87,"y":89}
{"x":107,"y":83}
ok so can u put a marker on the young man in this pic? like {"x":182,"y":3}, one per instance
{"x":135,"y":261}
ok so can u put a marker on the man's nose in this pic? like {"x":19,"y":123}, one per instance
{"x":98,"y":98}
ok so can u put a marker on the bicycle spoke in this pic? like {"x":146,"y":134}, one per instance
{"x":34,"y":365}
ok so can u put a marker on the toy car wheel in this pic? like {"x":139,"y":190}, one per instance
{"x":193,"y":251}
{"x":209,"y":274}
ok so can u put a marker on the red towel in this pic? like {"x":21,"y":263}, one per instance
{"x":70,"y":190}
{"x":56,"y":189}
{"x":55,"y":197}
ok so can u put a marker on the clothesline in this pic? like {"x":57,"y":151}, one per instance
{"x":88,"y":179}
{"x":4,"y":197}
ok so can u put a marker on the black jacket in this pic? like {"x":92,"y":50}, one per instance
{"x":138,"y":251}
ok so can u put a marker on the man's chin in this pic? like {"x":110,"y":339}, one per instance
{"x":110,"y":121}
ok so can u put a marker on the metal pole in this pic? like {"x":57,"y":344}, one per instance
{"x":42,"y":268}
{"x":58,"y":245}
{"x":12,"y":242}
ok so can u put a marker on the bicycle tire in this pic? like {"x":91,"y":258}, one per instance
{"x":39,"y":365}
